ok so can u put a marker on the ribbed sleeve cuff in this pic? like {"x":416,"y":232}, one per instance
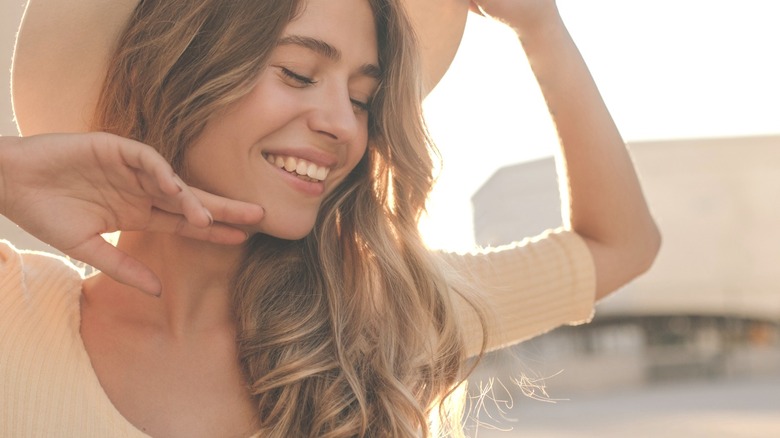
{"x":529,"y":287}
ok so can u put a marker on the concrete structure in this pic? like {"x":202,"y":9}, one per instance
{"x":716,"y":203}
{"x":710,"y":306}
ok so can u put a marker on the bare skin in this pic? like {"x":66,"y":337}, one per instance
{"x":169,"y":364}
{"x":167,"y":384}
{"x":67,"y":190}
{"x":605,"y":201}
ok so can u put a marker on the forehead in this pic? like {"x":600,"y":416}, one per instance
{"x":347,"y":25}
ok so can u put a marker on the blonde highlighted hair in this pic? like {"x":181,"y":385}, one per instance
{"x":350,"y":331}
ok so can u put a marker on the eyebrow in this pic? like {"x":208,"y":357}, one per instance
{"x":323,"y":48}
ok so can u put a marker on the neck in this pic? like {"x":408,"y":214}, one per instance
{"x":195,"y":275}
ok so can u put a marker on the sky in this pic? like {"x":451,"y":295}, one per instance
{"x":666,"y":69}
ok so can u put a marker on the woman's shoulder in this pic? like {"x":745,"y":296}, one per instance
{"x":47,"y":384}
{"x":32,"y":280}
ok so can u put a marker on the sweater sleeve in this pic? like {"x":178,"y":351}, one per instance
{"x":37,"y":280}
{"x":11,"y":283}
{"x":526,"y":288}
{"x":38,"y":329}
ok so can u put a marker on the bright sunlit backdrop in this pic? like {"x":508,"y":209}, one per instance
{"x":666,"y":69}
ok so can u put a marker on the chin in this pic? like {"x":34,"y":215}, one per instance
{"x":286,"y":228}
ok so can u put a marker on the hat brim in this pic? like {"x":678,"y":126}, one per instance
{"x":63,"y":46}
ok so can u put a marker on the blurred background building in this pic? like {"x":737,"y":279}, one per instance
{"x":707,"y":313}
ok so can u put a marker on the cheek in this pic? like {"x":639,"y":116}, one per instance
{"x":359,"y":152}
{"x":359,"y":147}
{"x":265,"y":107}
{"x":354,"y":157}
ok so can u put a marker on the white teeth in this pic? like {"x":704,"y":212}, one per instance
{"x":302,"y":167}
{"x":290,"y":164}
{"x":311,"y":170}
{"x":299,"y":166}
{"x":322,"y":173}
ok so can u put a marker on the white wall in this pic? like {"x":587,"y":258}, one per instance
{"x":715,"y":201}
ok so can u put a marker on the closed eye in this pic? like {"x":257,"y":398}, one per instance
{"x":305,"y":81}
{"x":361,"y":106}
{"x":301,"y":80}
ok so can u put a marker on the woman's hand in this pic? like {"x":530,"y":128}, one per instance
{"x":68,"y":189}
{"x":518,"y":14}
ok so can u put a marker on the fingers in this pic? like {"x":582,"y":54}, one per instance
{"x":200,"y":208}
{"x":161,"y":221}
{"x":117,"y":265}
{"x":159,"y":180}
{"x":192,"y":208}
{"x":230,"y":211}
{"x":144,"y":158}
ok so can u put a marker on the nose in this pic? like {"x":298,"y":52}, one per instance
{"x":334,"y":116}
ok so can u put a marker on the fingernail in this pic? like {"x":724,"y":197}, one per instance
{"x":179,"y":182}
{"x":211,"y":218}
{"x":153,"y":293}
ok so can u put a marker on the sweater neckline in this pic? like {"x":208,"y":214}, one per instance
{"x":94,"y":380}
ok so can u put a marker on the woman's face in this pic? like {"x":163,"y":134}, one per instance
{"x":304,"y":126}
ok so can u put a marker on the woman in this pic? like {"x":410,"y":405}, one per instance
{"x":295,"y":126}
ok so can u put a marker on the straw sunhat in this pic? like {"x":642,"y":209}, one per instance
{"x":63,"y":47}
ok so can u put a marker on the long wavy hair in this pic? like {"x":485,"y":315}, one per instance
{"x":350,"y":331}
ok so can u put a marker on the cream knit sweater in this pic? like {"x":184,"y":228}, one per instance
{"x":49,"y":389}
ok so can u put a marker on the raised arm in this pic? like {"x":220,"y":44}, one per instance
{"x":600,"y":187}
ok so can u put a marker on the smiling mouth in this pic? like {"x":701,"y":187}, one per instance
{"x":299,"y":167}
